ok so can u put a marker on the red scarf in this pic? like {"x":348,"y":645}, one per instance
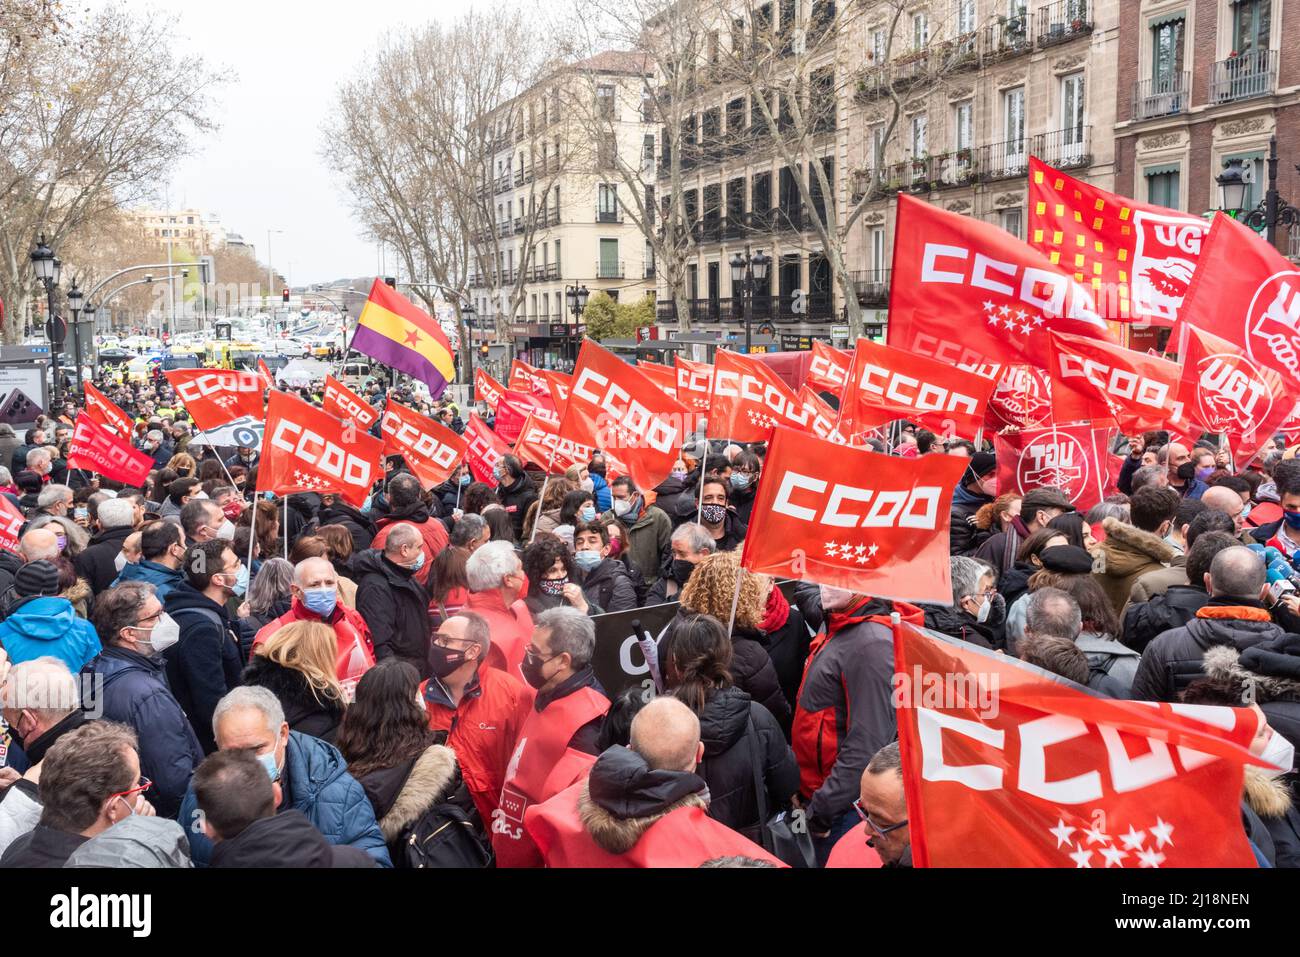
{"x":777,"y":612}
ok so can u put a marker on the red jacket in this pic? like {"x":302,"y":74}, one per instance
{"x":511,"y":628}
{"x":355,"y":653}
{"x":435,"y":540}
{"x":483,"y":729}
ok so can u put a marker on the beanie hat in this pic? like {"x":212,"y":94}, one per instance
{"x":981,"y":464}
{"x":36,"y":578}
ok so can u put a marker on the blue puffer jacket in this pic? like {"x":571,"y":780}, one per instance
{"x":162,"y":578}
{"x":321,"y":788}
{"x":134,"y":692}
{"x":48,"y":626}
{"x":600,"y":489}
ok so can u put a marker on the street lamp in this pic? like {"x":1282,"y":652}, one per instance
{"x":747,"y":272}
{"x":576,"y":297}
{"x":48,"y":267}
{"x":75,"y":298}
{"x":1235,"y":181}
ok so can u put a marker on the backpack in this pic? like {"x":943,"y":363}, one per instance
{"x":443,"y":836}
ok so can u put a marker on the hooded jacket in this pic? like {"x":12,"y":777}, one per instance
{"x":433,"y":531}
{"x":401,"y":794}
{"x":647,"y":539}
{"x":96,"y":562}
{"x":1111,"y":664}
{"x":516,"y":498}
{"x":1272,"y":669}
{"x":604,"y":498}
{"x":36,"y":627}
{"x":958,"y":623}
{"x":358,"y":524}
{"x":1143,"y":621}
{"x":964,"y":536}
{"x":609,"y":587}
{"x":742,"y":500}
{"x":304,"y":712}
{"x":162,"y":578}
{"x":1174,"y":660}
{"x":1160,"y":580}
{"x":135,"y":693}
{"x":677,"y":497}
{"x":205,"y":664}
{"x":734,"y":530}
{"x":286,"y":839}
{"x":1128,"y":554}
{"x":396,"y":610}
{"x":316,"y":783}
{"x":135,"y":841}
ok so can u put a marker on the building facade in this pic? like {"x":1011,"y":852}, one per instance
{"x":200,"y":232}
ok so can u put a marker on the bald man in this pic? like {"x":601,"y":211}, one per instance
{"x":315,"y":597}
{"x":39,"y":545}
{"x":1181,"y":470}
{"x":1225,"y":500}
{"x":642,"y":805}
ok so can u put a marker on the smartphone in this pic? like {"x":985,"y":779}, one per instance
{"x":80,"y":512}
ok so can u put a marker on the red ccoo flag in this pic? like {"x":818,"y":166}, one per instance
{"x":614,"y":406}
{"x":430,"y":449}
{"x":558,"y":384}
{"x":342,"y":403}
{"x":663,"y":376}
{"x":873,"y":524}
{"x":694,"y":383}
{"x":1137,"y":258}
{"x":970,"y":294}
{"x":11,"y":523}
{"x":885,"y":384}
{"x":1005,"y":765}
{"x":484,"y":449}
{"x":1100,"y":381}
{"x":96,"y":449}
{"x":1072,"y":458}
{"x":104,"y":412}
{"x":540,"y":443}
{"x":514,"y":407}
{"x":749,"y":399}
{"x":487,"y":389}
{"x":829,"y":369}
{"x":308,"y":450}
{"x":526,"y":378}
{"x":214,"y":397}
{"x":268,"y":380}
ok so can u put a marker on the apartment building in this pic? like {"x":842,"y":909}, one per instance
{"x":202,"y":233}
{"x":558,"y":204}
{"x":1201,"y":83}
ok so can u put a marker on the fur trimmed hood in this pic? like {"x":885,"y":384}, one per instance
{"x":1268,"y":796}
{"x":623,"y":796}
{"x":1128,"y":548}
{"x":1224,"y":662}
{"x":431,"y":778}
{"x":618,"y":835}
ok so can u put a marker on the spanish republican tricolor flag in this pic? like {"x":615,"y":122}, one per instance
{"x":398,"y":333}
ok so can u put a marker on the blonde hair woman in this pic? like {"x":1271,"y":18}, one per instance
{"x":297,"y":665}
{"x":183,"y":464}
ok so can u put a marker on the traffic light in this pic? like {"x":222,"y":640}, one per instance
{"x":483,"y":350}
{"x":286,"y":294}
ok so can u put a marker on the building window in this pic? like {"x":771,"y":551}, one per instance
{"x":1167,"y":48}
{"x":876,"y":245}
{"x":877,"y":147}
{"x":965,"y":17}
{"x":878,"y":53}
{"x":1162,"y":185}
{"x":920,"y":31}
{"x":610,"y":267}
{"x":605,"y":101}
{"x":1072,"y":115}
{"x":1251,"y":26}
{"x":607,"y":203}
{"x":963,"y":114}
{"x":919,"y":147}
{"x":1011,"y":221}
{"x":648,"y":151}
{"x":1013,"y":111}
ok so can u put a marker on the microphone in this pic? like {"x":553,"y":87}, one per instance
{"x":1282,"y":580}
{"x":1269,"y":553}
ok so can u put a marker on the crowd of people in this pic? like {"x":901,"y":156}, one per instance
{"x":194,"y":675}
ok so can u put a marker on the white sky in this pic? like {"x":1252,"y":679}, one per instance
{"x":263,"y":170}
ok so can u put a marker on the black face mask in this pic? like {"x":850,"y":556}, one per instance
{"x":531,"y":669}
{"x":1187,"y":471}
{"x":682,"y":570}
{"x":443,"y":661}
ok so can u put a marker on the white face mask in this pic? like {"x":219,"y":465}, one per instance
{"x":120,"y":562}
{"x":621,"y":506}
{"x":164,"y":634}
{"x":227,"y":531}
{"x":588,"y":485}
{"x":986,"y":606}
{"x":1280,"y":753}
{"x":835,"y":599}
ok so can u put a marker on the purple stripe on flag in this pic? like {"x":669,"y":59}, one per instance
{"x":385,"y":350}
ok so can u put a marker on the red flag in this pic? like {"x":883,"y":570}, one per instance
{"x":1005,"y":765}
{"x":1021,"y":399}
{"x":614,"y":406}
{"x":886,"y":384}
{"x":1072,"y":458}
{"x":308,"y":450}
{"x":558,"y":385}
{"x":430,"y":448}
{"x":749,"y":399}
{"x":1223,"y":391}
{"x":1137,"y":258}
{"x":873,"y":524}
{"x":514,"y":407}
{"x":487,"y":389}
{"x":1245,"y":292}
{"x":526,"y":378}
{"x":484,"y":449}
{"x":96,"y":449}
{"x":694,"y":383}
{"x":970,"y":294}
{"x":214,"y":397}
{"x":268,"y":380}
{"x":663,"y":376}
{"x":342,"y":403}
{"x":103,"y":411}
{"x":539,"y":441}
{"x":829,"y":369}
{"x":11,"y":522}
{"x":1100,"y":381}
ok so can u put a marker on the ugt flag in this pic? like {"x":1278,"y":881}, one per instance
{"x":873,"y":524}
{"x":1005,"y":765}
{"x":400,"y":334}
{"x":308,"y":450}
{"x":97,"y":449}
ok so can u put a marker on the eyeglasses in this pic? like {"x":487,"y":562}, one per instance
{"x":444,"y":641}
{"x":144,"y":785}
{"x":881,"y":831}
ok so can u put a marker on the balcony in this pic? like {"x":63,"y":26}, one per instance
{"x":523,"y":175}
{"x":666,"y":311}
{"x":708,"y":230}
{"x":733,"y":225}
{"x":788,"y":218}
{"x":519,"y":225}
{"x":609,"y":270}
{"x":548,"y":217}
{"x":544,"y":273}
{"x":872,"y":286}
{"x":609,"y":215}
{"x":1007,"y":38}
{"x":1063,"y":21}
{"x":649,"y":270}
{"x":1064,"y":149}
{"x":1162,"y":96}
{"x":505,"y":229}
{"x":1006,"y":160}
{"x":503,"y":183}
{"x":960,"y":53}
{"x":1244,"y":76}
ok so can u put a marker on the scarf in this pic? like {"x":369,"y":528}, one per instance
{"x":777,"y":612}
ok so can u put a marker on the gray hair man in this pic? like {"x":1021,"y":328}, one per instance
{"x":39,"y":545}
{"x":497,"y":586}
{"x":40,"y":701}
{"x":39,"y":461}
{"x":391,"y":599}
{"x":691,"y":543}
{"x":55,"y":500}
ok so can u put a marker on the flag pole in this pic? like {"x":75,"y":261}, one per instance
{"x":704,"y":468}
{"x":286,"y":528}
{"x":252,"y":536}
{"x":735,"y":600}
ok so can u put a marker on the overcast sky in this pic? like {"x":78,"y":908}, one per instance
{"x":263,"y":170}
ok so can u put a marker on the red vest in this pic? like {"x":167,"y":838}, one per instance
{"x":686,"y":837}
{"x":545,"y":768}
{"x":851,"y":850}
{"x":353,"y":655}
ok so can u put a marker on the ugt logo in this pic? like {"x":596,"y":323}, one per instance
{"x":1164,"y":257}
{"x":1273,"y":322}
{"x":1054,"y":460}
{"x":1233,"y":396}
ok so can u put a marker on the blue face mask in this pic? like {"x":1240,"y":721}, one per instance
{"x":589,"y":513}
{"x":241,"y":581}
{"x":321,"y":601}
{"x":587,"y":560}
{"x":1292,"y":519}
{"x":268,"y":762}
{"x":419,"y":563}
{"x":466,"y":479}
{"x":739,"y":480}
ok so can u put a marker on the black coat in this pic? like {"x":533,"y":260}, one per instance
{"x":609,"y":587}
{"x":396,"y":608}
{"x":1144,"y":620}
{"x":742,"y":500}
{"x":358,"y":524}
{"x":42,"y":847}
{"x":205,"y":664}
{"x":250,"y":626}
{"x":677,"y":497}
{"x":787,"y":647}
{"x":96,"y":562}
{"x":516,"y":498}
{"x":964,"y":536}
{"x":286,"y":839}
{"x":956,"y":623}
{"x":736,"y":732}
{"x":734,"y":529}
{"x":304,"y":712}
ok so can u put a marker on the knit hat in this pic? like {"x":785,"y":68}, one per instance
{"x":981,"y":464}
{"x":1066,"y":559}
{"x":36,"y":578}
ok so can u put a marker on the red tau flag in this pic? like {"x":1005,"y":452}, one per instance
{"x":829,"y":369}
{"x":11,"y":522}
{"x":430,"y":449}
{"x":847,"y":517}
{"x":214,"y":397}
{"x":308,"y":450}
{"x":342,"y":403}
{"x":614,"y":406}
{"x":488,"y":389}
{"x":970,"y":294}
{"x":886,"y":384}
{"x":749,"y":399}
{"x":484,"y":449}
{"x":1137,"y":258}
{"x":1224,"y":391}
{"x":1005,"y":765}
{"x":96,"y":449}
{"x":1099,"y":381}
{"x":103,"y":412}
{"x":1072,"y":458}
